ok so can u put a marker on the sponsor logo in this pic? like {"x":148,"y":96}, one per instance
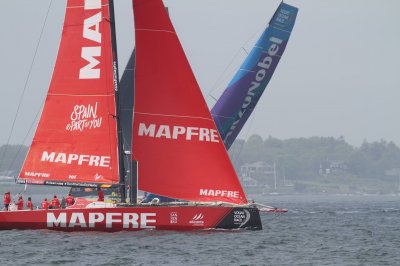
{"x":91,"y":31}
{"x":241,"y":217}
{"x":93,"y":219}
{"x":283,"y":16}
{"x":178,"y":132}
{"x":173,"y":218}
{"x":69,"y":183}
{"x":78,"y":159}
{"x":36,"y":174}
{"x":198,"y":217}
{"x":115,"y":75}
{"x":97,"y":176}
{"x":197,"y":220}
{"x":30,"y":181}
{"x":84,"y":117}
{"x":219,"y":193}
{"x":259,"y":77}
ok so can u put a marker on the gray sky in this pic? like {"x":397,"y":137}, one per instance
{"x":339,"y":76}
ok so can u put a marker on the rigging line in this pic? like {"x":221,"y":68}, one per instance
{"x":22,"y":191}
{"x":26,"y":81}
{"x":26,"y":135}
{"x":157,"y":30}
{"x":224,"y":74}
{"x":235,"y":157}
{"x":110,"y":118}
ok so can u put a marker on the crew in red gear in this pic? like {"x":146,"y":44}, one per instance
{"x":70,"y":200}
{"x":55,"y":203}
{"x":45,"y":204}
{"x":20,"y":204}
{"x":7,"y":200}
{"x":29,"y":204}
{"x":100,"y":194}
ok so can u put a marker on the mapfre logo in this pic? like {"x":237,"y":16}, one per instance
{"x":76,"y":159}
{"x":101,"y":220}
{"x":91,"y":31}
{"x":178,"y":132}
{"x":197,"y":220}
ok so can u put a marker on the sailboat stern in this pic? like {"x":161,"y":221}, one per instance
{"x":241,"y":218}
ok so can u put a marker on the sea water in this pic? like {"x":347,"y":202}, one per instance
{"x":317,"y":230}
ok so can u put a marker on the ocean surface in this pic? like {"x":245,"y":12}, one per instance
{"x":317,"y":230}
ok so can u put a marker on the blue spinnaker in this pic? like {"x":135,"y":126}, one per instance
{"x":239,"y":99}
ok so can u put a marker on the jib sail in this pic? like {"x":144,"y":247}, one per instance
{"x":180,"y":153}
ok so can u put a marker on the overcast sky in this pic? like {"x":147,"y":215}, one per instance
{"x":339,"y":75}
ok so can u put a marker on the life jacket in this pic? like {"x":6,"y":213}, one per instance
{"x":7,"y":198}
{"x":55,"y":203}
{"x":20,"y":204}
{"x":45,"y":204}
{"x":29,"y":205}
{"x":70,"y":200}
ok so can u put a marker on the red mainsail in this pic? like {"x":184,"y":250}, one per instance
{"x":180,"y":153}
{"x":75,"y":142}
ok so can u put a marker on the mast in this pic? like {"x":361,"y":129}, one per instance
{"x":121,"y":168}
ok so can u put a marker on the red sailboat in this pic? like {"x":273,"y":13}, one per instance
{"x":176,"y":149}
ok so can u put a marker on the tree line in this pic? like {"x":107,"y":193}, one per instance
{"x":297,"y":158}
{"x":311,"y":158}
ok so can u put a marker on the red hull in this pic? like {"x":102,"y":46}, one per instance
{"x":134,"y":218}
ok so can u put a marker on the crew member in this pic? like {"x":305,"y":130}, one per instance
{"x":45,"y":204}
{"x":29,"y":204}
{"x":70,"y":200}
{"x":100,"y":194}
{"x":55,"y":203}
{"x":7,"y":200}
{"x":20,"y":204}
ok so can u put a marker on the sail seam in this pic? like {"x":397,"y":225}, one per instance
{"x":168,"y":31}
{"x":276,"y":55}
{"x":223,"y":116}
{"x":180,"y":116}
{"x":247,"y":70}
{"x":280,"y":29}
{"x":83,"y":6}
{"x":88,"y":95}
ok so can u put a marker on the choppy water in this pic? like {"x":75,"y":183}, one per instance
{"x":317,"y":230}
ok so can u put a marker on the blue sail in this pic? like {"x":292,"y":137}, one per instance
{"x":239,"y":99}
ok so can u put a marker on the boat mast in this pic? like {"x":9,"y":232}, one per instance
{"x":121,"y":168}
